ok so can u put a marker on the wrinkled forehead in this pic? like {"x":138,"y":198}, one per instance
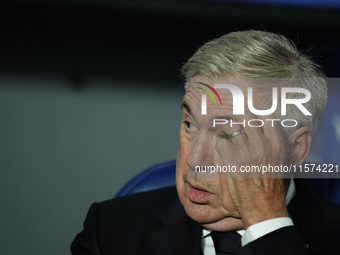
{"x":199,"y":85}
{"x":209,"y":95}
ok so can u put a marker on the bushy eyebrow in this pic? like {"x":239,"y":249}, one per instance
{"x":185,"y":106}
{"x":227,"y":117}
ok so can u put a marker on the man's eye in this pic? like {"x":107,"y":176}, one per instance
{"x":224,"y":135}
{"x":189,"y":126}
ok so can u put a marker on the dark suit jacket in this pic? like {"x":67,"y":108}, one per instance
{"x":155,"y":222}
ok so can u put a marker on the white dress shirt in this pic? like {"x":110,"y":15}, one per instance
{"x":254,"y":231}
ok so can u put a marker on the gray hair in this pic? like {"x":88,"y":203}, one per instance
{"x":259,"y":54}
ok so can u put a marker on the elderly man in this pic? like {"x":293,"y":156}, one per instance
{"x":230,"y":212}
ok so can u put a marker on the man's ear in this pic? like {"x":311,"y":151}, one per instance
{"x":298,"y":145}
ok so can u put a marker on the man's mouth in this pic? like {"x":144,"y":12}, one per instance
{"x":196,"y":193}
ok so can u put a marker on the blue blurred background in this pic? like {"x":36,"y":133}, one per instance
{"x":90,"y":94}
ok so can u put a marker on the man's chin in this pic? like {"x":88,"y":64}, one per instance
{"x":227,"y":224}
{"x":210,"y":218}
{"x":201,"y":213}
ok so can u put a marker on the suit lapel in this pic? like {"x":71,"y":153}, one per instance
{"x":180,"y":234}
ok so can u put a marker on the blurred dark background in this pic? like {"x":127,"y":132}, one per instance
{"x":90,"y":94}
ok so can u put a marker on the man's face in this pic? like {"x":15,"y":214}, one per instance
{"x":206,"y":200}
